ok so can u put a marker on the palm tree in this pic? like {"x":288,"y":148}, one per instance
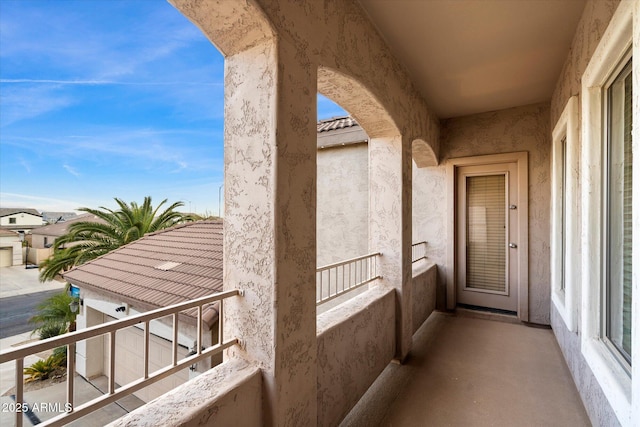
{"x":54,"y":316}
{"x":86,"y":240}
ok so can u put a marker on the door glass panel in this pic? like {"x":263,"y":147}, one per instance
{"x":486,"y":233}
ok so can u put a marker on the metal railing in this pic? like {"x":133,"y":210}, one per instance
{"x":418,"y":251}
{"x":110,"y":329}
{"x":336,"y":279}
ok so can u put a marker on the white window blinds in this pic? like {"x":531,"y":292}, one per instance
{"x":486,"y":232}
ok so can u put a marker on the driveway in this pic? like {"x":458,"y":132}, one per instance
{"x":18,"y":280}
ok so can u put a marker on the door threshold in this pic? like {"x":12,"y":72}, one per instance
{"x":486,"y":313}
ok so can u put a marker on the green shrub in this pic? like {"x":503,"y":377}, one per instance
{"x":51,"y":330}
{"x":40,"y":370}
{"x":59,"y":356}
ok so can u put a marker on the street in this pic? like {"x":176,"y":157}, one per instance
{"x":20,"y":293}
{"x":16,"y":311}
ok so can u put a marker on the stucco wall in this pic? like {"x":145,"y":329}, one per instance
{"x":227,"y":395}
{"x":516,"y":129}
{"x":594,"y":400}
{"x":423,"y":291}
{"x":355,"y":343}
{"x":342,"y":207}
{"x":594,"y":21}
{"x":36,"y":255}
{"x":22,"y":219}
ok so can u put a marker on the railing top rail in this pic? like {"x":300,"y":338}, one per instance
{"x":347,"y":261}
{"x":104,"y":328}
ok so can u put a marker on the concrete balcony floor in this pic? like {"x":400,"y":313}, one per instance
{"x":465,"y":370}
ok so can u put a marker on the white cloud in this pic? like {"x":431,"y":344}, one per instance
{"x":25,"y":165}
{"x":20,"y":103}
{"x":71,"y":170}
{"x":41,"y":203}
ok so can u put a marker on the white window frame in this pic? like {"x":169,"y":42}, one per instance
{"x":565,"y":226}
{"x":615,"y":381}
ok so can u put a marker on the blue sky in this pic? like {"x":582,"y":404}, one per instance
{"x":109,"y":98}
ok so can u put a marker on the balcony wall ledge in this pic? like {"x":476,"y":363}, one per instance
{"x":423,"y":291}
{"x":228,"y":394}
{"x":356,"y":341}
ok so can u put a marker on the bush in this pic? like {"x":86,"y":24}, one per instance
{"x":50,"y":330}
{"x":59,"y":356}
{"x":40,"y":370}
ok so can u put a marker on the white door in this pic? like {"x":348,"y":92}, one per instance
{"x":486,"y":230}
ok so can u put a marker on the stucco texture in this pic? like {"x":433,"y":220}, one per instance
{"x":279,"y":55}
{"x":516,"y":129}
{"x":229,"y":394}
{"x":594,"y":400}
{"x":343,"y":203}
{"x":595,"y":19}
{"x":355,"y":344}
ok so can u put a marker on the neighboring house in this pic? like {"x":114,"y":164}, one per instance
{"x":162,"y":268}
{"x":22,"y":220}
{"x":10,"y":248}
{"x":43,"y":237}
{"x":342,"y":190}
{"x":54,"y":217}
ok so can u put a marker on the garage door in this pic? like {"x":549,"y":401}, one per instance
{"x":6,"y":257}
{"x":130,"y":361}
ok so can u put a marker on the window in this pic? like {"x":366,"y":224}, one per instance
{"x":565,"y":233}
{"x":563,"y":212}
{"x":606,"y":193}
{"x":618,"y":185}
{"x":12,"y":220}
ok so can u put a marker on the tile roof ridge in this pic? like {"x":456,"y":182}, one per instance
{"x":335,"y":119}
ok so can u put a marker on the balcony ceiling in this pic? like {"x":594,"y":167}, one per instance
{"x":472,"y":56}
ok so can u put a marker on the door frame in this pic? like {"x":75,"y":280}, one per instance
{"x":522,"y":232}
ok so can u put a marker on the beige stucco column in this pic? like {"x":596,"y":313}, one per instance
{"x":390,"y":225}
{"x":270,"y":223}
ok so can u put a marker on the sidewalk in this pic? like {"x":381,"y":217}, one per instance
{"x":7,"y":370}
{"x":18,"y":280}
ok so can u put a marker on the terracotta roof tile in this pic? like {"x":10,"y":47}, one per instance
{"x":194,"y":249}
{"x":336,"y":123}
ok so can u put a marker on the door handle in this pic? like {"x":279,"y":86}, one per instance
{"x":513,"y":245}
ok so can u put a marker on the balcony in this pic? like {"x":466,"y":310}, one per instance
{"x":464,"y":366}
